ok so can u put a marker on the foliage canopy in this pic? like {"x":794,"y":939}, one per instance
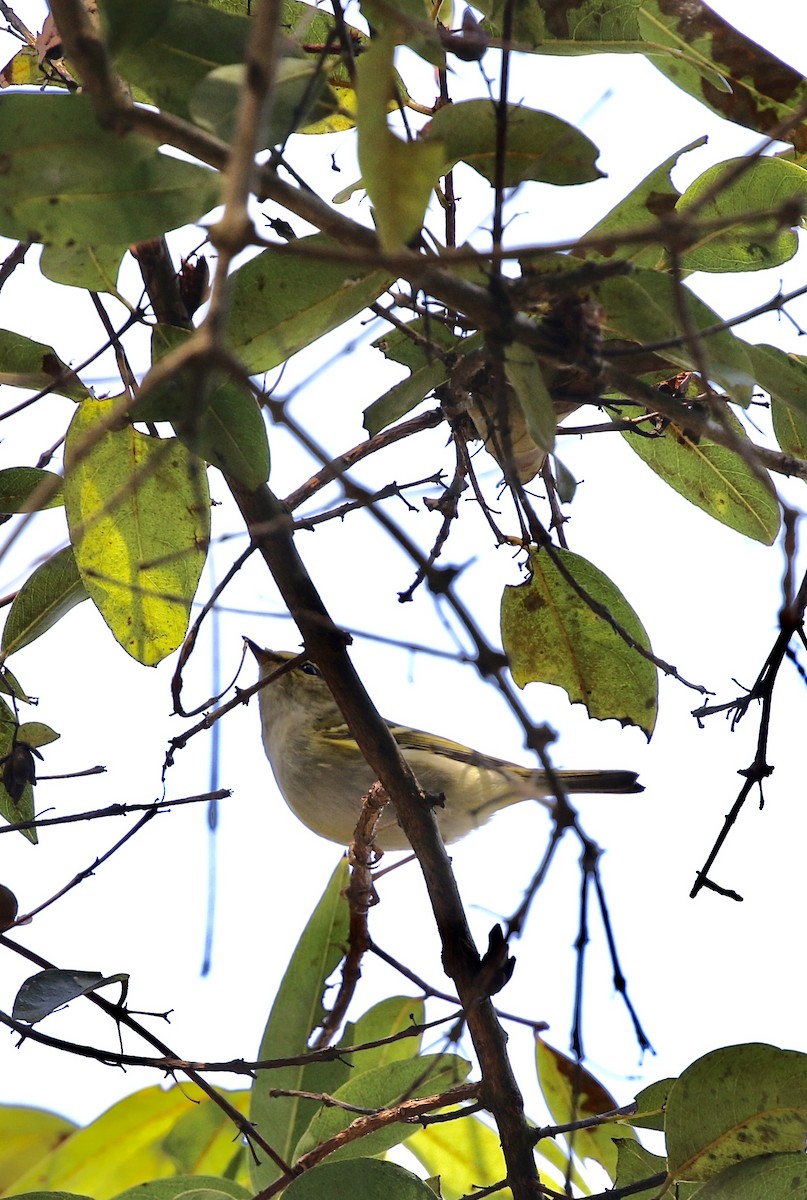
{"x":170,"y":113}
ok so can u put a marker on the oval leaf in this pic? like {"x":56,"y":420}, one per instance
{"x":713,"y":478}
{"x":646,"y":307}
{"x":138,"y":508}
{"x":95,"y":179}
{"x":540,"y":146}
{"x":183,"y":1185}
{"x":572,"y":1094}
{"x":382,"y":1087}
{"x":399,"y":176}
{"x":769,"y":1177}
{"x":280,"y":303}
{"x":94,"y":268}
{"x":743,"y":245}
{"x":54,"y":588}
{"x":48,"y":990}
{"x":733,"y":1104}
{"x":25,"y":363}
{"x":551,"y":635}
{"x":29,"y":489}
{"x":35,"y":733}
{"x":369,"y":1178}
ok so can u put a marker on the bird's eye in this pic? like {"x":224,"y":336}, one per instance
{"x":309,"y":669}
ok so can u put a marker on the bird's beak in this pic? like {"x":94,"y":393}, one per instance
{"x":263,"y":656}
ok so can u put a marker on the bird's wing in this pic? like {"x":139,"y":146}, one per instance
{"x":418,"y":740}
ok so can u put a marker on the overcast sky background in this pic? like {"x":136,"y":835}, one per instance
{"x":701,"y":973}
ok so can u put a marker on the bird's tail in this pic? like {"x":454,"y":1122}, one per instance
{"x":600,"y":781}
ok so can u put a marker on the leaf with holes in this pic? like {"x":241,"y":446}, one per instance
{"x":551,"y":633}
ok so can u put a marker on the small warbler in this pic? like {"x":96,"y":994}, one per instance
{"x":322,"y":774}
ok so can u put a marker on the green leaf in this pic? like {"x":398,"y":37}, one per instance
{"x":95,"y":180}
{"x":573,"y":1094}
{"x":783,"y":376}
{"x":185,"y":1184}
{"x":296,"y":1012}
{"x":634,"y":1164}
{"x":650,"y":201}
{"x":35,"y":733}
{"x":381,"y":1087}
{"x":399,"y":176}
{"x":383,"y":1020}
{"x":402,"y":397}
{"x":46,"y":596}
{"x":138,"y":508}
{"x":429,"y":368}
{"x":28,"y":489}
{"x":591,"y":26}
{"x":26,"y":1136}
{"x":281,"y":302}
{"x":119,"y":1149}
{"x":714,"y":479}
{"x":763,"y":187}
{"x":51,"y":1196}
{"x":214,"y":416}
{"x":651,"y":1104}
{"x":230,"y":434}
{"x":126,"y":25}
{"x":25,"y":363}
{"x":93,"y":268}
{"x":21,"y":809}
{"x":645,"y":307}
{"x":527,"y":381}
{"x":300,"y":96}
{"x":368,"y":1178}
{"x":193,"y":40}
{"x":789,"y":429}
{"x":769,"y":1177}
{"x":202,"y":1143}
{"x":43,"y":993}
{"x":551,"y":635}
{"x":540,"y":146}
{"x":734,"y":1104}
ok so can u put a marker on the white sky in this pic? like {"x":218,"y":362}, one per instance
{"x":701,"y":973}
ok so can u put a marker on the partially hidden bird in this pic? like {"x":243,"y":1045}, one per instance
{"x":322,"y":774}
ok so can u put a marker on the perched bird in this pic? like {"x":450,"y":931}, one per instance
{"x":322,"y":774}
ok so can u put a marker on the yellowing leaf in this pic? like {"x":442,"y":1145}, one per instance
{"x":119,"y":1149}
{"x":573,"y":1094}
{"x":139,"y":518}
{"x":26,"y":1136}
{"x":552,"y":635}
{"x":399,"y":176}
